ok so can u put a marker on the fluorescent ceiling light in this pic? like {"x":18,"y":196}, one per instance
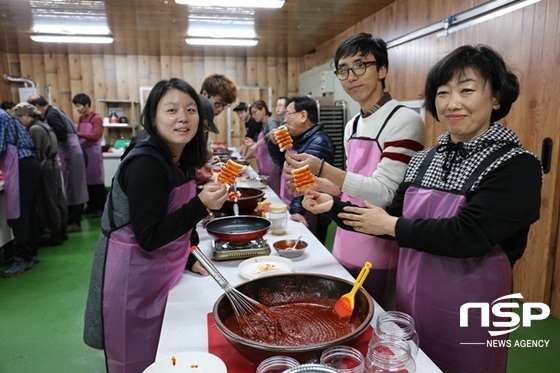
{"x":486,"y":17}
{"x":224,"y":32}
{"x":69,"y":17}
{"x":83,"y":39}
{"x":235,"y":3}
{"x":222,"y":42}
{"x":68,"y":29}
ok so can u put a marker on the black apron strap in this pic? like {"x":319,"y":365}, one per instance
{"x":484,"y":165}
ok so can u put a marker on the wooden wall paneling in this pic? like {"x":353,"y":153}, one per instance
{"x":63,"y":94}
{"x":32,"y":66}
{"x":536,"y":268}
{"x":252,"y":79}
{"x":271,"y":78}
{"x":292,"y":81}
{"x":100,"y":78}
{"x":5,"y":89}
{"x":281,"y":79}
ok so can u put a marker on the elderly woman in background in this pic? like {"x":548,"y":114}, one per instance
{"x":462,"y":214}
{"x":52,"y":203}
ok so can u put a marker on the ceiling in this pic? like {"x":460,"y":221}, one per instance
{"x":158,"y":27}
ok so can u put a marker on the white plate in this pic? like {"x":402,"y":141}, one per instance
{"x":191,"y":362}
{"x":265,"y":265}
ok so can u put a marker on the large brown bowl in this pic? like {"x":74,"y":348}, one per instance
{"x":247,"y":203}
{"x":313,"y":284}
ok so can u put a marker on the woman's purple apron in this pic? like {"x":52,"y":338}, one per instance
{"x":136,"y":286}
{"x":9,"y":164}
{"x":432,"y":289}
{"x":94,"y":168}
{"x":264,"y":160}
{"x":73,"y":170}
{"x":363,"y":156}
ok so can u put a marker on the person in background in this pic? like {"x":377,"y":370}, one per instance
{"x":71,"y":160}
{"x":90,"y":132}
{"x":302,"y":121}
{"x":260,"y":112}
{"x":379,"y":142}
{"x":51,"y":201}
{"x":462,"y":214}
{"x":281,"y":105}
{"x":252,"y":127}
{"x":146,"y":225}
{"x":221,"y":91}
{"x":21,"y":172}
{"x":8,"y":106}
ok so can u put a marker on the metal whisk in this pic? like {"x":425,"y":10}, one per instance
{"x":243,"y":306}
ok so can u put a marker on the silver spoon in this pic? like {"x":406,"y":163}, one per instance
{"x":295,"y":245}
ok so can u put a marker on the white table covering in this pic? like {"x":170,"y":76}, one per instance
{"x":184,"y":325}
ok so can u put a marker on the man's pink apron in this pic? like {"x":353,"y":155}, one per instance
{"x":9,"y":164}
{"x":264,"y":160}
{"x":94,"y":168}
{"x":139,"y":282}
{"x":73,"y":170}
{"x":353,"y":249}
{"x":432,"y":289}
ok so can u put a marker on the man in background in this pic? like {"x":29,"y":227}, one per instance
{"x":71,"y":160}
{"x":309,"y":136}
{"x":221,"y":92}
{"x":252,"y":127}
{"x":281,"y":105}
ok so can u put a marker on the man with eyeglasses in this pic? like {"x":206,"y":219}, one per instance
{"x":379,"y":142}
{"x":221,"y":92}
{"x":302,"y":121}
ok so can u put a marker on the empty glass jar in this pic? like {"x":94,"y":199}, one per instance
{"x":389,"y":354}
{"x":277,"y":364}
{"x":344,"y":358}
{"x":401,"y":325}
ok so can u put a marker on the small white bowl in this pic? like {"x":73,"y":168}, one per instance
{"x":285,"y":248}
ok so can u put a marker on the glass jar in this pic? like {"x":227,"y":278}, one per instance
{"x":312,"y":368}
{"x":401,"y":325}
{"x":344,"y":358}
{"x":389,"y":354}
{"x":277,"y":364}
{"x":279,"y":219}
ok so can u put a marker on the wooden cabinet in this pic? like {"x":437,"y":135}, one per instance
{"x":123,"y":108}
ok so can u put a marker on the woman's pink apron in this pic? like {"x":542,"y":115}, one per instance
{"x":94,"y":168}
{"x":264,"y":160}
{"x":432,"y":289}
{"x":73,"y":170}
{"x":139,"y":282}
{"x":9,"y":164}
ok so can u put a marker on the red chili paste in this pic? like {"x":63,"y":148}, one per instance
{"x":298,"y":323}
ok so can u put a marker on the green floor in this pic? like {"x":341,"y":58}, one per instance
{"x":41,"y":317}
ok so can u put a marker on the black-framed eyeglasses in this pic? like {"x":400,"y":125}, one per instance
{"x":359,"y":68}
{"x":288,"y":113}
{"x":217,"y":104}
